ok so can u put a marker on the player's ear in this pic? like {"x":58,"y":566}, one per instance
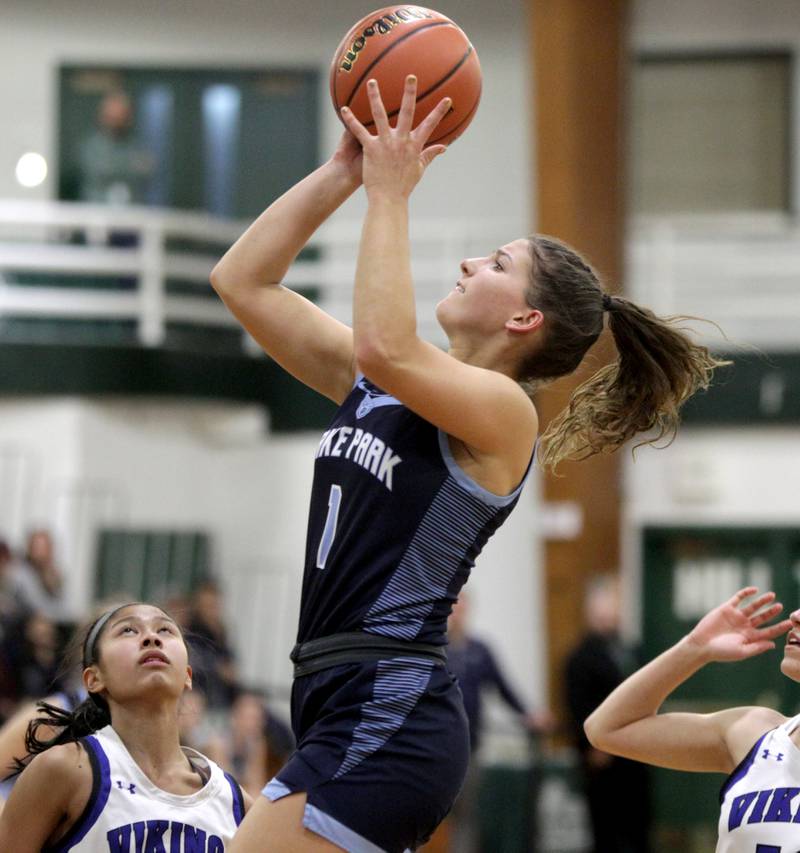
{"x":93,"y":679}
{"x":525,"y":321}
{"x":187,"y":683}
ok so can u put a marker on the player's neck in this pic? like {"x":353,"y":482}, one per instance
{"x":490,"y":353}
{"x":152,"y":738}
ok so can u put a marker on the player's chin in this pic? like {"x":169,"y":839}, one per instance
{"x":443,"y":312}
{"x":790,"y":664}
{"x":164,"y":679}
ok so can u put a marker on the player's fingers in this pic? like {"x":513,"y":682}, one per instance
{"x":431,"y":153}
{"x":377,"y":108}
{"x":428,"y":124}
{"x":740,"y":596}
{"x":354,"y":125}
{"x":776,"y":630}
{"x":766,"y":614}
{"x":757,"y":603}
{"x":405,"y":117}
{"x":758,"y":648}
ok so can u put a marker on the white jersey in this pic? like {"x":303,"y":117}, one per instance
{"x":761,"y":798}
{"x":127,"y":813}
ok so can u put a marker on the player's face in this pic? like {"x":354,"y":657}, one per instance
{"x":490,"y":291}
{"x":790,"y":665}
{"x":141,"y":654}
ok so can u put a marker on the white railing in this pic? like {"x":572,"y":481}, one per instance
{"x":741,"y":271}
{"x":76,"y":240}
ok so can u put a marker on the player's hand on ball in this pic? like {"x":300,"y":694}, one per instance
{"x":396,"y":158}
{"x":348,"y":157}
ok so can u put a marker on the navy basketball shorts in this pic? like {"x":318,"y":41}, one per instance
{"x":382,"y":751}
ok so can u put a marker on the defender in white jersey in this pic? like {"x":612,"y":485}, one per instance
{"x":110,"y":776}
{"x":757,"y":747}
{"x":761,"y":798}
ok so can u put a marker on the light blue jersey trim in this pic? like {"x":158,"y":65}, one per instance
{"x":399,"y":684}
{"x":450,"y":528}
{"x":337,"y":833}
{"x":323,"y":824}
{"x":275,"y":790}
{"x":466,"y":482}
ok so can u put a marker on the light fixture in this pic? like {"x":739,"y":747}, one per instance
{"x":31,"y":169}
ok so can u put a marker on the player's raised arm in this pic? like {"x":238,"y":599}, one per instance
{"x":303,"y":339}
{"x":628,"y":722}
{"x":467,"y":396}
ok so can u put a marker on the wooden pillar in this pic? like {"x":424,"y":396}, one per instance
{"x":579,"y":57}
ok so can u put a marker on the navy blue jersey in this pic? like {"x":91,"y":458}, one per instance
{"x":394,"y":527}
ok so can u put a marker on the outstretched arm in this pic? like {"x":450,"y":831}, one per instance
{"x":483,"y":408}
{"x":308,"y":343}
{"x":627,"y":723}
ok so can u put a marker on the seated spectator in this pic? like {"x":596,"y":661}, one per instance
{"x":10,"y":605}
{"x":280,"y":742}
{"x":37,"y":666}
{"x":36,"y":581}
{"x":213,"y":660}
{"x":247,"y":742}
{"x":256,"y":742}
{"x":195,"y":728}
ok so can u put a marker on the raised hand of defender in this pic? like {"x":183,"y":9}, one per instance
{"x":734,"y":631}
{"x":396,"y":157}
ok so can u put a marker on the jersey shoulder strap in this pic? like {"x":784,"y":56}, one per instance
{"x":101,"y":786}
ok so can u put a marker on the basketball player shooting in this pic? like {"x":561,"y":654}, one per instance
{"x":421,"y":464}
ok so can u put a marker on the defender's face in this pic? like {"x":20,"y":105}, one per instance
{"x":490,"y":291}
{"x":790,"y":665}
{"x":142,"y":654}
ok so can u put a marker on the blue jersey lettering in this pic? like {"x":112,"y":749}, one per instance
{"x":154,"y":836}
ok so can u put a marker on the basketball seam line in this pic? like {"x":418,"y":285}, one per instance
{"x":391,"y":47}
{"x":466,"y":118}
{"x":446,"y":77}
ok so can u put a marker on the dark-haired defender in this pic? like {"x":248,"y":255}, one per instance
{"x":423,"y":461}
{"x":758,"y":748}
{"x":114,"y":778}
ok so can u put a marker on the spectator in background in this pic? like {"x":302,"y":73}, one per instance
{"x":250,"y":741}
{"x":246,"y":741}
{"x":115,"y":167}
{"x":32,"y":654}
{"x":195,"y":729}
{"x":10,"y":605}
{"x":616,"y":789}
{"x":476,"y":669}
{"x":36,"y":581}
{"x":213,"y":660}
{"x":280,"y":742}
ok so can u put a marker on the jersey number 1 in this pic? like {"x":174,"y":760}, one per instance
{"x":334,"y":501}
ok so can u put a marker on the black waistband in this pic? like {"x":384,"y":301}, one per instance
{"x":357,"y":647}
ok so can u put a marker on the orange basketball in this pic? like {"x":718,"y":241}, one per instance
{"x":396,"y":41}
